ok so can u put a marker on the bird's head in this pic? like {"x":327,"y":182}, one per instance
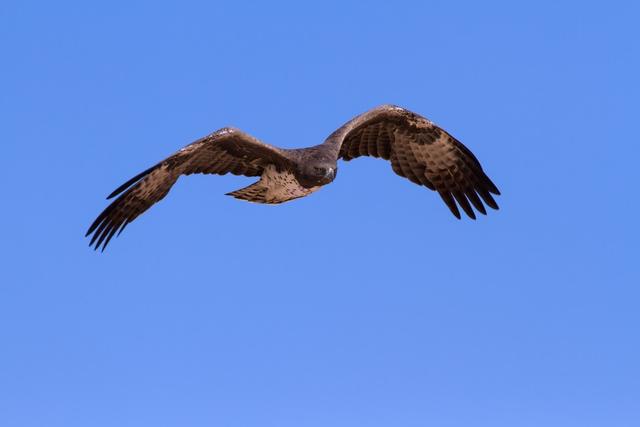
{"x":315,"y":174}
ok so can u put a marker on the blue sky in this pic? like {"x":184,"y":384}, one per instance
{"x":367,"y":303}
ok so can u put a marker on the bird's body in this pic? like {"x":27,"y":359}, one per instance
{"x":417,"y":149}
{"x":274,"y":187}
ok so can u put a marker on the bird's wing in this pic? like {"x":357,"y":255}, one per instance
{"x":421,"y":152}
{"x":227,"y":150}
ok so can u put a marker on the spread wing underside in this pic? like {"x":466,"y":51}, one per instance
{"x":421,"y":152}
{"x":225,"y":151}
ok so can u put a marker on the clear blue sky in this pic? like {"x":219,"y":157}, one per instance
{"x":366,"y":304}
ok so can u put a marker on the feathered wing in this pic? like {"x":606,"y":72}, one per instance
{"x":224,"y":151}
{"x":421,"y":152}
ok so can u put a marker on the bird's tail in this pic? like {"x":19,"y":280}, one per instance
{"x":256,"y":193}
{"x":274,"y":187}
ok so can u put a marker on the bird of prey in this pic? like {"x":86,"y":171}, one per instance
{"x":416,"y":148}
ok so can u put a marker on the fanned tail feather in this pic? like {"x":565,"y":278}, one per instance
{"x":256,"y":193}
{"x":273,"y":188}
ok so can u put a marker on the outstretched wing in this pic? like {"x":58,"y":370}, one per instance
{"x":421,"y":152}
{"x":226,"y":150}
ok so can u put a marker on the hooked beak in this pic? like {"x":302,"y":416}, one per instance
{"x":330,"y":174}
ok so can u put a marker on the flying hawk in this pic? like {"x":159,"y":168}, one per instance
{"x":417,"y":149}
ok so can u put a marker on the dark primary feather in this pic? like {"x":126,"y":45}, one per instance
{"x":225,"y":151}
{"x":131,"y":181}
{"x":421,"y":152}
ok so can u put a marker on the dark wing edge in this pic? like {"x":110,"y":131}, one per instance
{"x":420,"y":151}
{"x":227,"y":150}
{"x":150,"y":188}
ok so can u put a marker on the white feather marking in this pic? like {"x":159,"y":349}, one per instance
{"x":223,"y":131}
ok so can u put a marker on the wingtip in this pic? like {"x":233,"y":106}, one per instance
{"x":117,"y":191}
{"x":491,"y":186}
{"x":132,"y":181}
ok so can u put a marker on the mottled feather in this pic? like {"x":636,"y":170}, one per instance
{"x":421,"y":152}
{"x":227,"y":150}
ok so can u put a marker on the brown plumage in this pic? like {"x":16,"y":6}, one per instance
{"x":417,"y":149}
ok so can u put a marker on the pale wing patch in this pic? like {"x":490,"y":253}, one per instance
{"x":274,"y":187}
